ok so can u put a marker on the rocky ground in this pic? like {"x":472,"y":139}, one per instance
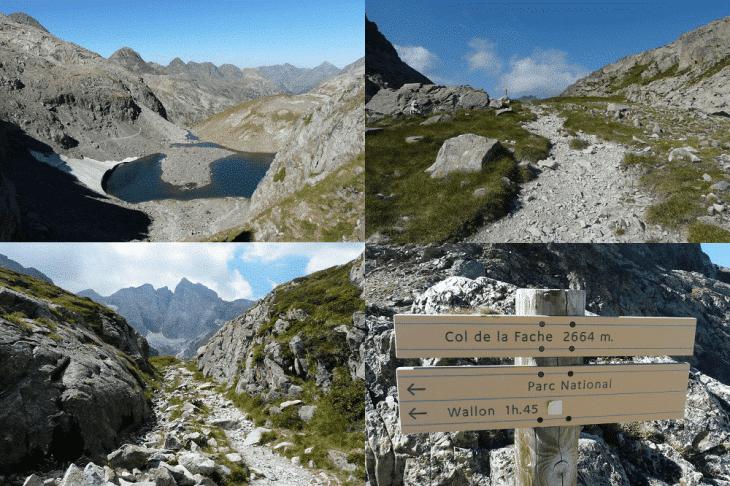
{"x":198,"y":437}
{"x":578,"y":196}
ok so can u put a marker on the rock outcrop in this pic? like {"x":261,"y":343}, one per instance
{"x":75,"y":375}
{"x":320,"y":142}
{"x":691,"y":72}
{"x":384,"y":68}
{"x":302,"y":330}
{"x":169,"y":320}
{"x":465,"y":153}
{"x":639,"y":280}
{"x":420,"y":99}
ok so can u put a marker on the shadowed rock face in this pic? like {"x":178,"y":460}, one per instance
{"x":73,"y":375}
{"x":668,"y":75}
{"x":383,"y":66}
{"x":672,"y":280}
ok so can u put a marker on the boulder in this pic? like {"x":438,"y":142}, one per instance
{"x":130,"y":456}
{"x":197,"y":463}
{"x":465,"y":153}
{"x":307,"y":412}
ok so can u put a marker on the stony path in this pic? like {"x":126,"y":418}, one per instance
{"x":585,"y":197}
{"x":267,"y":466}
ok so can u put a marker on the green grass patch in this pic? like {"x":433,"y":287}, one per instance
{"x":406,"y":204}
{"x":42,"y":321}
{"x":54,"y":336}
{"x":267,"y":437}
{"x":16,"y":318}
{"x":669,"y":73}
{"x":280,"y":175}
{"x":308,"y":119}
{"x":633,"y":76}
{"x":679,"y":184}
{"x":579,"y":144}
{"x":163,"y":361}
{"x":699,"y":232}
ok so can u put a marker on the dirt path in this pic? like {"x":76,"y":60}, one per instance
{"x":579,"y":196}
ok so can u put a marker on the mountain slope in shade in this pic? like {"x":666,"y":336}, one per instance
{"x":171,"y":320}
{"x":691,"y":72}
{"x":383,"y":66}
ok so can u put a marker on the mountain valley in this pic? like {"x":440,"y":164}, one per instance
{"x":69,"y":110}
{"x":274,"y":397}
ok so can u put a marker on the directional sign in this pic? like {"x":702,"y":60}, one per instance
{"x":444,"y":398}
{"x":455,"y":336}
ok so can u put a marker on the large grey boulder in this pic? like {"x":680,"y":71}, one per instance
{"x":429,"y":98}
{"x":465,"y":153}
{"x":197,"y":463}
{"x":67,"y":389}
{"x":130,"y":456}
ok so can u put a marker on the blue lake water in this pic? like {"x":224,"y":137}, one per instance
{"x":141,"y":180}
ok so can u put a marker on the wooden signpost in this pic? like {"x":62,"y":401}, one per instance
{"x":549,"y":392}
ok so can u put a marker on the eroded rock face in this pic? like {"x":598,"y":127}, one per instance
{"x":71,"y":383}
{"x":648,"y":280}
{"x":260,"y":352}
{"x":669,"y":75}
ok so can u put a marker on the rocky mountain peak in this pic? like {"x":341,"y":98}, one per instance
{"x":383,"y":66}
{"x":23,"y":18}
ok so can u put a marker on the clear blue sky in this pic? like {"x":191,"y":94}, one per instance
{"x":530,"y":47}
{"x":719,"y":253}
{"x":245,"y":33}
{"x":234,"y":271}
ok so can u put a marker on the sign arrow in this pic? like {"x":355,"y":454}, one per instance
{"x":411,"y":389}
{"x":413,"y":413}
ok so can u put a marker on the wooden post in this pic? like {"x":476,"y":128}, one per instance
{"x":548,"y":456}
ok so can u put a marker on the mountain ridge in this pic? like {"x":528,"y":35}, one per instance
{"x":690,"y":72}
{"x":172,"y":319}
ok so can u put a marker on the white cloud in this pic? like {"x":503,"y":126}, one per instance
{"x":417,"y":57}
{"x":484,"y":57}
{"x":109,"y":267}
{"x":545,"y":73}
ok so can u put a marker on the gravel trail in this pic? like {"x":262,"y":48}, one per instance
{"x":267,"y":466}
{"x":578,"y":196}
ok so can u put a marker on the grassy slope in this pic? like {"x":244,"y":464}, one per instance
{"x":330,"y":299}
{"x":404,"y":203}
{"x":678,"y":185}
